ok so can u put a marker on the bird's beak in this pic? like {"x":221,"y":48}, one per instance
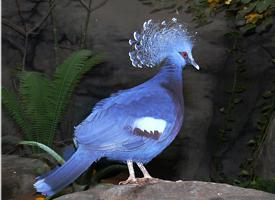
{"x":195,"y":64}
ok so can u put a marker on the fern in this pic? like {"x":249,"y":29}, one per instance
{"x":65,"y":80}
{"x":33,"y":90}
{"x":42,"y":102}
{"x":14,"y":109}
{"x":93,"y":60}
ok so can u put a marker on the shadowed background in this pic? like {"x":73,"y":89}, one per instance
{"x":197,"y":153}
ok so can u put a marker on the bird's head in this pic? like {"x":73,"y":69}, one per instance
{"x":188,"y":59}
{"x":159,"y":41}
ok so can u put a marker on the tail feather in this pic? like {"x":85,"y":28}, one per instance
{"x":66,"y":174}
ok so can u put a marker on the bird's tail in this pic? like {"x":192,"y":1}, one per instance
{"x":156,"y":40}
{"x":66,"y":174}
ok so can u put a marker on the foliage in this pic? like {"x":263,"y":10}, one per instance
{"x":199,"y":9}
{"x":237,"y":88}
{"x":251,"y":15}
{"x":247,"y":15}
{"x":258,"y":184}
{"x":47,"y":149}
{"x":235,"y":98}
{"x":40,"y":104}
{"x":264,"y":122}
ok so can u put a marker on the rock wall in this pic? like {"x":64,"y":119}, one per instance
{"x":110,"y":27}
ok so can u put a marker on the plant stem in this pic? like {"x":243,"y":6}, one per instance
{"x":84,"y":35}
{"x":228,"y":109}
{"x":25,"y":51}
{"x":54,"y":32}
{"x":230,"y":105}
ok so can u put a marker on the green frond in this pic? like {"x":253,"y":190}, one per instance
{"x":34,"y":88}
{"x":14,"y":109}
{"x":92,"y":61}
{"x":47,"y":149}
{"x":65,"y":80}
{"x":43,"y":101}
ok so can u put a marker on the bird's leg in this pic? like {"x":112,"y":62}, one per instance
{"x":131,"y":179}
{"x":146,"y":176}
{"x":143,"y":170}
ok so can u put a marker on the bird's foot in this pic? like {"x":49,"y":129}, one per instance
{"x":140,"y":181}
{"x":130,"y":180}
{"x":147,"y":180}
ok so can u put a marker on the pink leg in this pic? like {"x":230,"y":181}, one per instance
{"x":146,"y":176}
{"x":131,"y":179}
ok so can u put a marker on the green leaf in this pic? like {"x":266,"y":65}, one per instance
{"x":50,"y":151}
{"x":265,"y":25}
{"x":247,"y":28}
{"x":231,"y":120}
{"x":43,"y":101}
{"x":33,"y":90}
{"x":65,"y":80}
{"x":267,"y":94}
{"x":14,"y":108}
{"x":236,"y":181}
{"x":222,"y":131}
{"x":232,"y":34}
{"x":246,"y":10}
{"x":241,"y":69}
{"x":92,"y":61}
{"x":237,"y":100}
{"x":260,"y":127}
{"x":263,"y":5}
{"x":262,"y":122}
{"x":267,"y":108}
{"x":240,"y":60}
{"x":251,"y":142}
{"x":246,"y":1}
{"x":240,"y":89}
{"x":244,"y":173}
{"x":228,"y":129}
{"x":222,"y":110}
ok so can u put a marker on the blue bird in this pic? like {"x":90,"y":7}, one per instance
{"x":134,"y":125}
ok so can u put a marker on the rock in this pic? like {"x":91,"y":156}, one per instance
{"x":187,"y":190}
{"x":18,"y":175}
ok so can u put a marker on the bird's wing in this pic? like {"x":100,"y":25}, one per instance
{"x":128,"y":119}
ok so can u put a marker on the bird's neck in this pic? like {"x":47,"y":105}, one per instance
{"x":170,"y":76}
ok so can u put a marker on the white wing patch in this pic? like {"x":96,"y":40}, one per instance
{"x":150,"y":124}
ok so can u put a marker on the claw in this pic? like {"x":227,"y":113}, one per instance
{"x":147,"y":180}
{"x":128,"y":181}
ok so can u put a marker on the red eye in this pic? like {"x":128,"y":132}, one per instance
{"x":184,"y":54}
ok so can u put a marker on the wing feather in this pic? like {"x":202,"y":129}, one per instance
{"x":110,"y":125}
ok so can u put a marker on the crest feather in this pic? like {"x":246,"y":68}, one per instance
{"x":156,"y":41}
